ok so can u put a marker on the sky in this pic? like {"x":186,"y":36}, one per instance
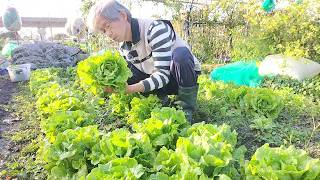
{"x":43,"y":8}
{"x":70,"y":8}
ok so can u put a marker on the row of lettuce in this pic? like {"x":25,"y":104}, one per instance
{"x":262,"y":115}
{"x":147,"y":141}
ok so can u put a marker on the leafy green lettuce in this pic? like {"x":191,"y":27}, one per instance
{"x":106,"y":70}
{"x":141,"y":108}
{"x":59,"y":98}
{"x":61,"y":121}
{"x":282,"y":163}
{"x":119,"y":168}
{"x":69,"y":153}
{"x":164,"y":126}
{"x":121,"y":143}
{"x":206,"y":152}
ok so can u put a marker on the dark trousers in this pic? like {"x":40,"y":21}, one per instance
{"x":182,"y":73}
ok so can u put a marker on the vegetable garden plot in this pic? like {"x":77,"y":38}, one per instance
{"x":83,"y":140}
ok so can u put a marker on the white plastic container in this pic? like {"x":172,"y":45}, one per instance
{"x":19,"y":72}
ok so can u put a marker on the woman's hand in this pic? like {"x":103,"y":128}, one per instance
{"x":108,"y":90}
{"x":138,"y":87}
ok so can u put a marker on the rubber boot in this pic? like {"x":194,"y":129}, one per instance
{"x":187,"y":99}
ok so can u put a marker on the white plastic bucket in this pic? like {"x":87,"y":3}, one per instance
{"x":19,"y":72}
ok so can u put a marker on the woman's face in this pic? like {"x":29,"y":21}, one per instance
{"x":116,"y":30}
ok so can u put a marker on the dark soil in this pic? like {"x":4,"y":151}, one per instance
{"x":8,"y":122}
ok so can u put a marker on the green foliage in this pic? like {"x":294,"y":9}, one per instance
{"x":262,"y":102}
{"x":68,"y":154}
{"x":121,"y":143}
{"x":95,"y":41}
{"x":259,"y":115}
{"x":207,"y":151}
{"x":60,"y":92}
{"x":120,"y":103}
{"x":141,"y":108}
{"x":292,"y":31}
{"x":106,"y":70}
{"x":58,"y":98}
{"x":40,"y":77}
{"x":213,"y":39}
{"x":262,"y":123}
{"x":308,"y":87}
{"x":242,"y":30}
{"x":163,"y":145}
{"x":120,"y":168}
{"x":254,"y":102}
{"x":282,"y":163}
{"x":168,"y":162}
{"x":164,"y":127}
{"x":63,"y":120}
{"x":86,"y":5}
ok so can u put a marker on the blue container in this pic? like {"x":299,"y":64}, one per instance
{"x":3,"y":72}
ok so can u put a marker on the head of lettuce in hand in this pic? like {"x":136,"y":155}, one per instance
{"x":100,"y":71}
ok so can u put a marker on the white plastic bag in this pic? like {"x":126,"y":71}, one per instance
{"x":296,"y":68}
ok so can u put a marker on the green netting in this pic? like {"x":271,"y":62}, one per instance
{"x":239,"y":73}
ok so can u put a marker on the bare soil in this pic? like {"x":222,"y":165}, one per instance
{"x":8,"y":122}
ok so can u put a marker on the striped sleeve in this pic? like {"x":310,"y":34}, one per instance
{"x":160,"y":38}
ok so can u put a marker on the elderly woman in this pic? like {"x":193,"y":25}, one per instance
{"x":160,"y":61}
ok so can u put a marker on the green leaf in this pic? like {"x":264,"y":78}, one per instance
{"x":106,"y":70}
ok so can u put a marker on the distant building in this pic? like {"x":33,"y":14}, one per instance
{"x":38,"y":28}
{"x":41,"y":22}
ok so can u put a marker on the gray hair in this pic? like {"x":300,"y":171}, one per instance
{"x":110,"y":9}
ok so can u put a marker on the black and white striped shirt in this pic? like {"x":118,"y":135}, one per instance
{"x":161,"y":39}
